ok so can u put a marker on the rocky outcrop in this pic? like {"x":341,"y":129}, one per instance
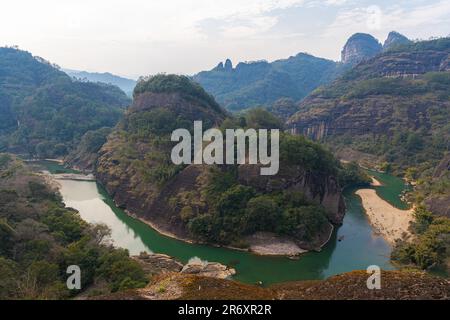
{"x":439,"y":205}
{"x":321,"y":189}
{"x":402,"y":92}
{"x":406,"y":64}
{"x":439,"y":202}
{"x":395,"y":39}
{"x":208,"y":269}
{"x":135,"y":168}
{"x":359,"y":47}
{"x":157,"y":264}
{"x":339,"y":109}
{"x":358,"y":116}
{"x":443,"y":168}
{"x":228,"y":66}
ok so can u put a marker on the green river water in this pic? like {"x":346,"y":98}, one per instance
{"x":358,"y":247}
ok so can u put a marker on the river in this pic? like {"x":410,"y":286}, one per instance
{"x":353,"y":246}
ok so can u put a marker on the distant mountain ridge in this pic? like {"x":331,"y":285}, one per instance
{"x":262,"y":83}
{"x":258,"y":83}
{"x":127,"y":85}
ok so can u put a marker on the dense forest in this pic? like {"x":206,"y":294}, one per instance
{"x":40,"y":238}
{"x":43,"y":112}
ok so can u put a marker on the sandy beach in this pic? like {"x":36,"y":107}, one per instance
{"x":268,"y":244}
{"x":392,"y":223}
{"x":375,"y":182}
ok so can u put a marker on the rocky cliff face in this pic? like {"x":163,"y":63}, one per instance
{"x":372,"y":115}
{"x":395,"y":39}
{"x":135,"y":168}
{"x":228,"y":66}
{"x":391,"y":105}
{"x":359,"y":47}
{"x":438,"y":201}
{"x":319,"y":188}
{"x":134,"y":164}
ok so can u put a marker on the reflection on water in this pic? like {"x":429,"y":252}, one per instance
{"x":353,"y":245}
{"x":84,"y":196}
{"x":391,"y":189}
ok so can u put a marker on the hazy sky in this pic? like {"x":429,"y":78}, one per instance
{"x":137,"y":37}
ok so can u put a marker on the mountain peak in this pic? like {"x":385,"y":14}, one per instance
{"x":394,"y":38}
{"x":228,"y":65}
{"x":359,"y":47}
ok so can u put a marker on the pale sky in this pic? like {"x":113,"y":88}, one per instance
{"x":137,"y":37}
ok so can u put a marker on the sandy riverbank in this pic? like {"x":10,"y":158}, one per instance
{"x":392,"y":223}
{"x":268,"y":244}
{"x":375,"y":183}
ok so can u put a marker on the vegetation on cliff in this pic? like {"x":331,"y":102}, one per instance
{"x":430,"y":249}
{"x":43,"y":112}
{"x":40,"y":238}
{"x":394,"y":106}
{"x":360,"y":47}
{"x":85,"y":155}
{"x":216,"y":204}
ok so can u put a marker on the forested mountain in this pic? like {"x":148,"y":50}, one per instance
{"x":215,"y":204}
{"x":43,"y":112}
{"x":395,"y":106}
{"x":258,"y":83}
{"x":394,"y":111}
{"x":127,"y":85}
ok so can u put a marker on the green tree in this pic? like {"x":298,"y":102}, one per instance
{"x":262,"y":214}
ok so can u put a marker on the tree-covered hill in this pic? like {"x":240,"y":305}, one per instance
{"x":219,"y":204}
{"x":43,"y":112}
